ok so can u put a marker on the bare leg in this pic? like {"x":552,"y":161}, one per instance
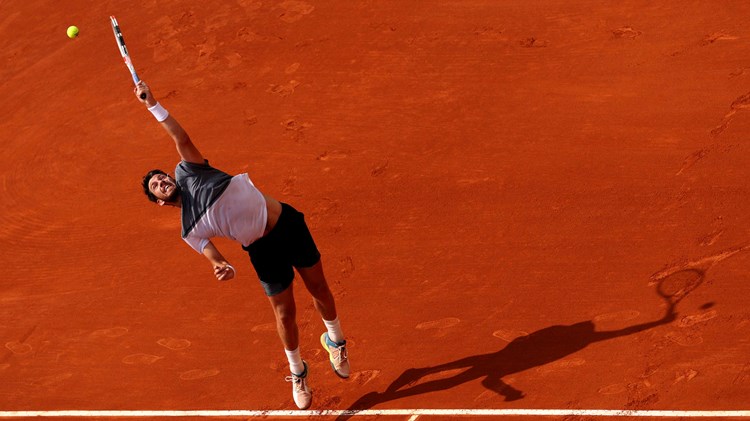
{"x":286,"y":313}
{"x":315,"y":282}
{"x":286,"y":318}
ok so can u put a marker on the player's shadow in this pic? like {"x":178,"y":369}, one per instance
{"x":534,"y":350}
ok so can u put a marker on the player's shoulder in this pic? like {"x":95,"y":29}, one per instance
{"x":189,"y":167}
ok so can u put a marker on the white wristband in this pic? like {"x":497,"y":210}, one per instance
{"x":159,"y":113}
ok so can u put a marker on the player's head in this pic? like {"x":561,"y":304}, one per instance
{"x":160,"y":188}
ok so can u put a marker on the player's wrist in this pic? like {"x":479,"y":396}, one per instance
{"x":159,"y":112}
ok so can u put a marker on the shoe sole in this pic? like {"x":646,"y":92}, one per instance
{"x":330,"y":357}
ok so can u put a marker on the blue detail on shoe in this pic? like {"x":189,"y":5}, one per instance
{"x":340,"y":350}
{"x":329,"y":342}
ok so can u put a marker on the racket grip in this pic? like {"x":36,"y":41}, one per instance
{"x":137,"y":80}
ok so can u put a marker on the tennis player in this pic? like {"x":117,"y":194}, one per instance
{"x":215,"y":204}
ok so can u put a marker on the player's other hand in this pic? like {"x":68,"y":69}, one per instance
{"x":142,"y":88}
{"x":223,"y":272}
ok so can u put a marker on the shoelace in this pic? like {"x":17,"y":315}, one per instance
{"x":297,"y":381}
{"x":339,"y":354}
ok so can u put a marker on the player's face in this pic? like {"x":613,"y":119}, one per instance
{"x":163,"y":187}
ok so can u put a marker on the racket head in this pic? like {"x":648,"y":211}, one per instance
{"x":118,"y":36}
{"x":124,"y":50}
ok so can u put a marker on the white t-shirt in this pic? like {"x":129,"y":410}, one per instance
{"x":239,"y":213}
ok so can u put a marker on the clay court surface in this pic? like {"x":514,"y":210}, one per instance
{"x":497,"y":187}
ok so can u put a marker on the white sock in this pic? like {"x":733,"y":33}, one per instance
{"x":295,"y":361}
{"x":334,"y":330}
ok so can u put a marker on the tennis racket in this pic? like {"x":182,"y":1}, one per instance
{"x":124,"y":51}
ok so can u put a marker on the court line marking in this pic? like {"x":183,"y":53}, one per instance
{"x":378,"y":412}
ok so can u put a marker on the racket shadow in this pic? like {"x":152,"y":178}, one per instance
{"x":527,"y":352}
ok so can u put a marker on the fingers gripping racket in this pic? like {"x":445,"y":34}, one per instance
{"x":124,"y":52}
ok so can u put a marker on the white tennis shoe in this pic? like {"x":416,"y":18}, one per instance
{"x":300,"y":391}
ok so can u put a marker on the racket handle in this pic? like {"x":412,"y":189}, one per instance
{"x":137,"y":80}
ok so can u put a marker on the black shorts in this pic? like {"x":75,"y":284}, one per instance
{"x":289,"y":245}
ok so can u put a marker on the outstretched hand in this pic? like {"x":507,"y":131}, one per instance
{"x":140,"y":89}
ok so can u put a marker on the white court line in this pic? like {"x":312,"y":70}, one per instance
{"x":382,"y":412}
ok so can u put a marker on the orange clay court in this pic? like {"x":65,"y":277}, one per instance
{"x":503,"y":193}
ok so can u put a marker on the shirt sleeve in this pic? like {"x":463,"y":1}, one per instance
{"x":197,"y":243}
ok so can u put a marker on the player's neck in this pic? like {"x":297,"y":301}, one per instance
{"x":177,"y":202}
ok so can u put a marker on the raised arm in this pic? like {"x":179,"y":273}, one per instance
{"x":185,"y":147}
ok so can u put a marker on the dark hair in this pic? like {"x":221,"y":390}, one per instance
{"x":146,"y":179}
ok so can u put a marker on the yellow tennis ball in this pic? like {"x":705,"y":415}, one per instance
{"x":72,"y":31}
